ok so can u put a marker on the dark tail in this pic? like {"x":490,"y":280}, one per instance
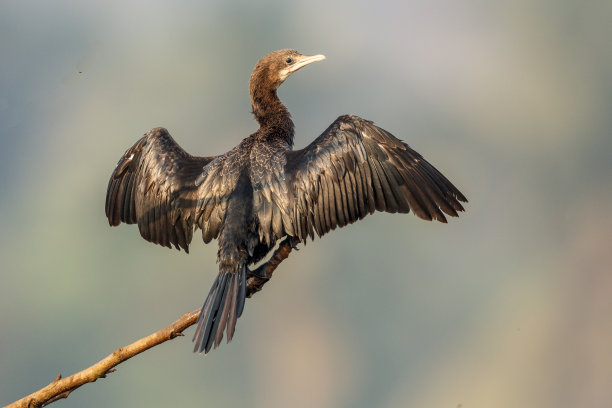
{"x":222,"y":308}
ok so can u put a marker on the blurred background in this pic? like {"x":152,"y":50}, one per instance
{"x":507,"y":306}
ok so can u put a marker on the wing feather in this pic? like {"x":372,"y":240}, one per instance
{"x":154,"y":186}
{"x":355,"y":168}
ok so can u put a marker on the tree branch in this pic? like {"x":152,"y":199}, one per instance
{"x":62,"y":387}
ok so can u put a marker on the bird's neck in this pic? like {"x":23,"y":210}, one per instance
{"x":273,"y":117}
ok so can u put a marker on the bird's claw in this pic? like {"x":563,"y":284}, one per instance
{"x":257,"y":273}
{"x":293,"y":242}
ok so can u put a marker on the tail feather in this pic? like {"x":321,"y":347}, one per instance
{"x":221,"y":321}
{"x":221,"y":310}
{"x":237,"y":307}
{"x":241,"y":291}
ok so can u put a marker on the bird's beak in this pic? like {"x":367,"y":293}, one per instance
{"x":305,"y":60}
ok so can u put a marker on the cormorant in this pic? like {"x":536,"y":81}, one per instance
{"x":262,"y":190}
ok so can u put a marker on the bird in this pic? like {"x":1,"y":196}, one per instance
{"x":263,"y":190}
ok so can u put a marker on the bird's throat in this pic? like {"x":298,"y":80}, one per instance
{"x":271,"y":114}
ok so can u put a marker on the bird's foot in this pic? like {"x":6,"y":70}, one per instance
{"x":294,"y":242}
{"x":258,"y":273}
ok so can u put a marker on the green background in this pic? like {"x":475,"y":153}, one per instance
{"x":507,"y":306}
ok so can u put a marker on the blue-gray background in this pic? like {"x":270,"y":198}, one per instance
{"x":507,"y":306}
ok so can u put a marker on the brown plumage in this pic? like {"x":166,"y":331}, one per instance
{"x":262,"y":190}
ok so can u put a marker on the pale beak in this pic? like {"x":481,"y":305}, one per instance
{"x":305,"y":60}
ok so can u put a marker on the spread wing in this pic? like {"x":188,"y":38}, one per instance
{"x":154,"y":185}
{"x":353,"y":169}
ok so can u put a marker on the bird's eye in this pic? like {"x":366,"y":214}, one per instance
{"x":288,"y":60}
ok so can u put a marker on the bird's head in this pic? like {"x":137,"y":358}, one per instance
{"x":275,"y":67}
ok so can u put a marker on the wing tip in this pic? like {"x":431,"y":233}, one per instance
{"x":113,"y":223}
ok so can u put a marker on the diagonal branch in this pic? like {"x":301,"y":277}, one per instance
{"x":62,"y":387}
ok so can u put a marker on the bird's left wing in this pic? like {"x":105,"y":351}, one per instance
{"x":353,"y":169}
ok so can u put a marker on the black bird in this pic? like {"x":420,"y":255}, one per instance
{"x":262,"y":190}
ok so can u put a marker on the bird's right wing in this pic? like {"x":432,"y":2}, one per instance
{"x":154,"y":185}
{"x":355,"y":168}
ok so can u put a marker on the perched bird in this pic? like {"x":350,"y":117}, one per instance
{"x":262,"y":190}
